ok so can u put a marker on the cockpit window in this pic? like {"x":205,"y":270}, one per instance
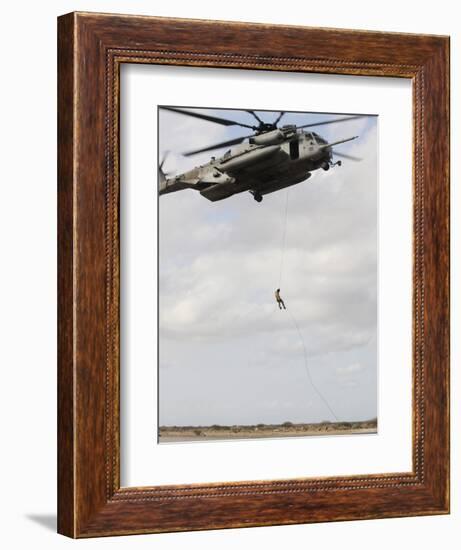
{"x":319,"y":139}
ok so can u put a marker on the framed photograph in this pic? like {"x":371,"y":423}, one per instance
{"x":253,"y":275}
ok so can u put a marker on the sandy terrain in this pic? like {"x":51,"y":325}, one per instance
{"x":171,"y":434}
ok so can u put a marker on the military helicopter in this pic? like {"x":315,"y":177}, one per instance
{"x":273,"y":158}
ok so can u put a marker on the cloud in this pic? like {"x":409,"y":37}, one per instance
{"x":349,"y":369}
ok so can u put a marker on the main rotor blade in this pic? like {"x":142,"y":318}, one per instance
{"x":255,"y":115}
{"x":279,"y":117}
{"x":216,"y":146}
{"x":343,"y":119}
{"x":350,"y":157}
{"x":217,"y":120}
{"x":339,"y":142}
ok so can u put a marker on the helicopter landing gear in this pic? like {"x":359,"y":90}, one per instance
{"x":256,"y":195}
{"x":327,"y":165}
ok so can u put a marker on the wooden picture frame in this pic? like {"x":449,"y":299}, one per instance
{"x":91,"y":49}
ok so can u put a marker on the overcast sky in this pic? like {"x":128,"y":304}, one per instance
{"x":227,"y":354}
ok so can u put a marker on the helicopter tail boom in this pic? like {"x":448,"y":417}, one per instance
{"x":166,"y":185}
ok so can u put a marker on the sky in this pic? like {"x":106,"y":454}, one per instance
{"x":227,"y":355}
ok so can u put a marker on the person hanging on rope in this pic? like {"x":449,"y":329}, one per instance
{"x":279,"y":299}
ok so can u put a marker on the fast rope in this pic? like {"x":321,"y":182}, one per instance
{"x":306,"y":366}
{"x":295,"y":323}
{"x":284,"y":235}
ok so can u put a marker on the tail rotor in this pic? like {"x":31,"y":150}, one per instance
{"x":162,"y":175}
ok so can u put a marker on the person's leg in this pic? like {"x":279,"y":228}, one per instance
{"x":280,"y":305}
{"x":283,"y":304}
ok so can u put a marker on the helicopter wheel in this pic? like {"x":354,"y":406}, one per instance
{"x":258,"y":197}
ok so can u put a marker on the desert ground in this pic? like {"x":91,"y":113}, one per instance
{"x":177,"y":434}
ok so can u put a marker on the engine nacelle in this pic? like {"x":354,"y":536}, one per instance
{"x":275,"y":137}
{"x":269,"y":138}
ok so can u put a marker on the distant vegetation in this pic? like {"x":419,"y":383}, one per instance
{"x":287,"y":428}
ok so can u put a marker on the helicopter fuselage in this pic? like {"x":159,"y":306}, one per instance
{"x":268,"y":162}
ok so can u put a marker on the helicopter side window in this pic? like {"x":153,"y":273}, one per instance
{"x":294,"y":149}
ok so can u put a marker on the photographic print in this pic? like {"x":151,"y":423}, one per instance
{"x":268,"y":267}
